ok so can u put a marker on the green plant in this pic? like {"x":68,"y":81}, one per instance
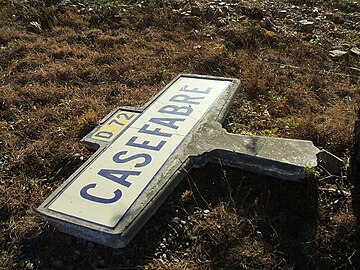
{"x":312,"y":171}
{"x":238,"y":128}
{"x":292,"y":122}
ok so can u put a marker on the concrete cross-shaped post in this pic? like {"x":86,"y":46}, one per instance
{"x":142,"y":154}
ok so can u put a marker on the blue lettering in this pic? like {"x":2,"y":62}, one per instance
{"x":111,"y":174}
{"x":156,"y":131}
{"x":147,"y":158}
{"x":167,"y":122}
{"x":185,"y":99}
{"x":145,"y":144}
{"x":127,"y":117}
{"x":104,"y":134}
{"x":195,"y":90}
{"x":177,"y":110}
{"x":84,"y":193}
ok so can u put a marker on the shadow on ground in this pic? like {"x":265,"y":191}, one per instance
{"x":217,"y":217}
{"x":222,"y":217}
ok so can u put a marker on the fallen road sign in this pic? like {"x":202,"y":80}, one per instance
{"x":142,"y":154}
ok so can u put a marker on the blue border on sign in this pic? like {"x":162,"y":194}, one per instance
{"x":154,"y":176}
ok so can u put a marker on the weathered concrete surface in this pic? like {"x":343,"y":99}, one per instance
{"x":207,"y":142}
{"x":283,"y":158}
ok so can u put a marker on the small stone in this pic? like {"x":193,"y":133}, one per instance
{"x":336,"y":205}
{"x":337,"y":53}
{"x":355,"y":50}
{"x":306,"y":26}
{"x":259,"y":235}
{"x":206,"y":211}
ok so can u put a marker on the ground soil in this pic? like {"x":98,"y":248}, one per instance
{"x":64,"y":65}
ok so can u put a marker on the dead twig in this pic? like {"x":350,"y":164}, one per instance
{"x":350,"y":257}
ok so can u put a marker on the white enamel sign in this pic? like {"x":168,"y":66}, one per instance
{"x":107,"y":188}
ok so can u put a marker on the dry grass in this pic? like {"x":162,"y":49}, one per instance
{"x":57,"y":82}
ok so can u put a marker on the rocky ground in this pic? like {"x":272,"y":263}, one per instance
{"x":66,"y":64}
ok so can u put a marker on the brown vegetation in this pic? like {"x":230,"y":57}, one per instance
{"x":57,"y":79}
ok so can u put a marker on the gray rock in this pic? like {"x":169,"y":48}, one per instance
{"x":306,"y":26}
{"x":337,"y":53}
{"x":355,"y":50}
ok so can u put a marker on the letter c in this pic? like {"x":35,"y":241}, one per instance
{"x":84,"y":193}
